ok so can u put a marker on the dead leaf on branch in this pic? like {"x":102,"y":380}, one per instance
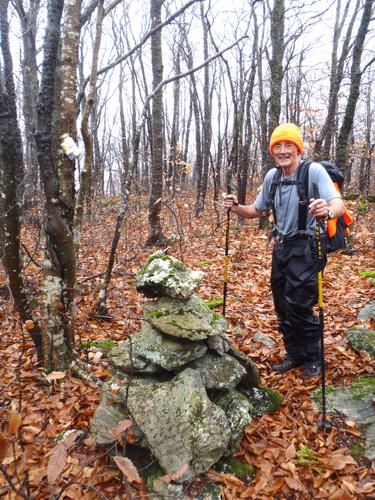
{"x":128,"y":469}
{"x":14,"y":422}
{"x":4,"y":443}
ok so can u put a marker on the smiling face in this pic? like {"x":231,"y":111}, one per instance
{"x":286,"y":156}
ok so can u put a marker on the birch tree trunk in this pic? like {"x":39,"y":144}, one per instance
{"x":59,"y":265}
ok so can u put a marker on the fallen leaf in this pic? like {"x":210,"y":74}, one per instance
{"x":127,"y":467}
{"x":172,"y":476}
{"x":56,"y":462}
{"x":293,"y":484}
{"x":29,"y":324}
{"x":290,"y":452}
{"x":55,"y":376}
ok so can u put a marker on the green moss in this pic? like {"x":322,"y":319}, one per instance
{"x":204,"y":263}
{"x":362,"y":206}
{"x":316,"y":394}
{"x":244,"y":471}
{"x":306,"y":457}
{"x":357,"y":451}
{"x":174,"y":323}
{"x":214,"y":303}
{"x":367,"y":274}
{"x":156,"y":314}
{"x":104,"y":344}
{"x":276,"y":398}
{"x":363,"y":387}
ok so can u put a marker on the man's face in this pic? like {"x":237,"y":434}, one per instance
{"x":285,"y":154}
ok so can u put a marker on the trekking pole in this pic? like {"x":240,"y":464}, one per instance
{"x":226,"y":258}
{"x":322,"y":424}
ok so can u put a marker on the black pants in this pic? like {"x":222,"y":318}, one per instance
{"x":295,"y":292}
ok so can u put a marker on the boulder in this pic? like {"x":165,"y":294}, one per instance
{"x":251,"y":379}
{"x":185,"y":431}
{"x":362,"y":339}
{"x":190,"y":319}
{"x":238,"y":410}
{"x":151,"y":350}
{"x":367,"y":312}
{"x":163,"y":275}
{"x":356,"y":404}
{"x":219,"y":372}
{"x":110,"y":412}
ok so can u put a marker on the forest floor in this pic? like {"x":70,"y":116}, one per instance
{"x":35,"y":410}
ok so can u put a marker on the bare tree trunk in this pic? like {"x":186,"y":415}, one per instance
{"x":367,"y":149}
{"x":322,"y":148}
{"x":206,"y":126}
{"x":12,"y":177}
{"x":243,"y":171}
{"x":355,"y":80}
{"x":58,"y":323}
{"x":30,"y":87}
{"x":85,"y":177}
{"x":156,"y":236}
{"x":174,"y":153}
{"x":276,"y":67}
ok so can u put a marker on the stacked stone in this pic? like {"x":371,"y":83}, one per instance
{"x":178,"y":379}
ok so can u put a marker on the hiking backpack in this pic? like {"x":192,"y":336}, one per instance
{"x":336,"y":229}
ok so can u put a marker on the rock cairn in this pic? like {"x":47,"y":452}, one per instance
{"x":186,"y":390}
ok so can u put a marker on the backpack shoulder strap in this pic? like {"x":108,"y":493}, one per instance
{"x":303,"y":193}
{"x":271,"y":198}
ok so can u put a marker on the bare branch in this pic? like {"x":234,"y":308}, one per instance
{"x":137,"y":46}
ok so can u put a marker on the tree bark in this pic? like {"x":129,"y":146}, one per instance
{"x":60,"y":267}
{"x":355,"y":80}
{"x":12,"y":178}
{"x":156,"y":236}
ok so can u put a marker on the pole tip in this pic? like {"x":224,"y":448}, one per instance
{"x":324,"y":425}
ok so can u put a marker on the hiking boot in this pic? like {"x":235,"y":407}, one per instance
{"x":286,"y":365}
{"x":312,"y":370}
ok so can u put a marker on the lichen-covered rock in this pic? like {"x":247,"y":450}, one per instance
{"x":190,"y":319}
{"x":362,"y":339}
{"x":251,"y":378}
{"x":356,"y":403}
{"x":219,"y":343}
{"x":163,"y":275}
{"x":110,"y":412}
{"x":238,"y":410}
{"x":219,"y":372}
{"x":367,"y":312}
{"x":166,"y":351}
{"x":126,"y":357}
{"x":185,"y":431}
{"x":263,"y":400}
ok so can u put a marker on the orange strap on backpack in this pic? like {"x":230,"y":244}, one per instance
{"x":332,"y":223}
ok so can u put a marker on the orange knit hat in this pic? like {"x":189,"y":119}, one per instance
{"x":287,"y":132}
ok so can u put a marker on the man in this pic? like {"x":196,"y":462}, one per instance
{"x":294,"y":259}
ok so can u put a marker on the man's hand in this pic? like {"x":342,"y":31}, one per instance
{"x":229,"y":200}
{"x":318,"y":208}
